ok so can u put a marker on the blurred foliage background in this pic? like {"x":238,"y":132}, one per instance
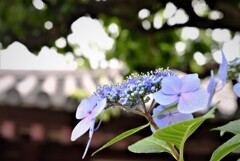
{"x":146,"y":34}
{"x":130,"y":35}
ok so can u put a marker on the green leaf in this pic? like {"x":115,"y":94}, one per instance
{"x":226,"y":148}
{"x":232,"y":127}
{"x":149,"y":145}
{"x":121,"y":136}
{"x":237,"y":150}
{"x":178,"y":133}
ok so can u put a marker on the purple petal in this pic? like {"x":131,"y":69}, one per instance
{"x":158,"y":109}
{"x":169,"y":118}
{"x":81,"y":128}
{"x":171,"y":85}
{"x":164,"y":99}
{"x":190,"y":83}
{"x":178,"y":117}
{"x":160,"y":120}
{"x":91,"y":130}
{"x":98,"y":109}
{"x":86,"y":106}
{"x":86,"y":148}
{"x":211,"y":88}
{"x":222,"y":71}
{"x":193,"y":101}
{"x":236,"y":89}
{"x":83,"y":109}
{"x":211,"y":84}
{"x":92,"y":101}
{"x":99,"y":122}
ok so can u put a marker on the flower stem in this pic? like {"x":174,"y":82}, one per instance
{"x":143,"y":105}
{"x":174,"y":152}
{"x":151,"y":106}
{"x":131,"y":110}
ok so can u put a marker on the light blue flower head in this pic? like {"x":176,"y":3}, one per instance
{"x":133,"y":90}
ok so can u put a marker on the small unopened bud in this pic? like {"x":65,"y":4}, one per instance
{"x":141,"y":92}
{"x":153,"y":89}
{"x":132,"y":94}
{"x":132,"y":88}
{"x":146,"y":99}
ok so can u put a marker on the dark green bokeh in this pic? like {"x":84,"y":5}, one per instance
{"x":142,"y":50}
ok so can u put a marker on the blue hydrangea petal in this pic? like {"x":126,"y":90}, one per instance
{"x":162,"y":120}
{"x":91,"y":130}
{"x":83,"y":109}
{"x":190,"y":83}
{"x":169,"y":118}
{"x":179,"y":117}
{"x":222,"y":71}
{"x":98,"y":109}
{"x":86,"y":148}
{"x":211,"y":88}
{"x":212,"y":83}
{"x":92,"y":101}
{"x":158,"y":109}
{"x":81,"y":128}
{"x":193,"y":101}
{"x":171,"y":85}
{"x":236,"y":89}
{"x":165,"y":100}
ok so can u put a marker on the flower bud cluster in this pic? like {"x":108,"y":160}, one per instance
{"x":134,"y":89}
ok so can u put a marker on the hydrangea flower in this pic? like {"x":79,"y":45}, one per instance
{"x":168,"y":118}
{"x":185,"y":91}
{"x":236,"y":87}
{"x":223,"y":69}
{"x":224,"y":72}
{"x":87,"y":110}
{"x":211,"y":88}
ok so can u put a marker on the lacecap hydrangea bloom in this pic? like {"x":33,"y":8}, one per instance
{"x":129,"y":94}
{"x":174,"y":98}
{"x":132,"y":95}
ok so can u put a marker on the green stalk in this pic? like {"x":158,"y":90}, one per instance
{"x":131,"y":110}
{"x":174,"y":152}
{"x":151,"y":106}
